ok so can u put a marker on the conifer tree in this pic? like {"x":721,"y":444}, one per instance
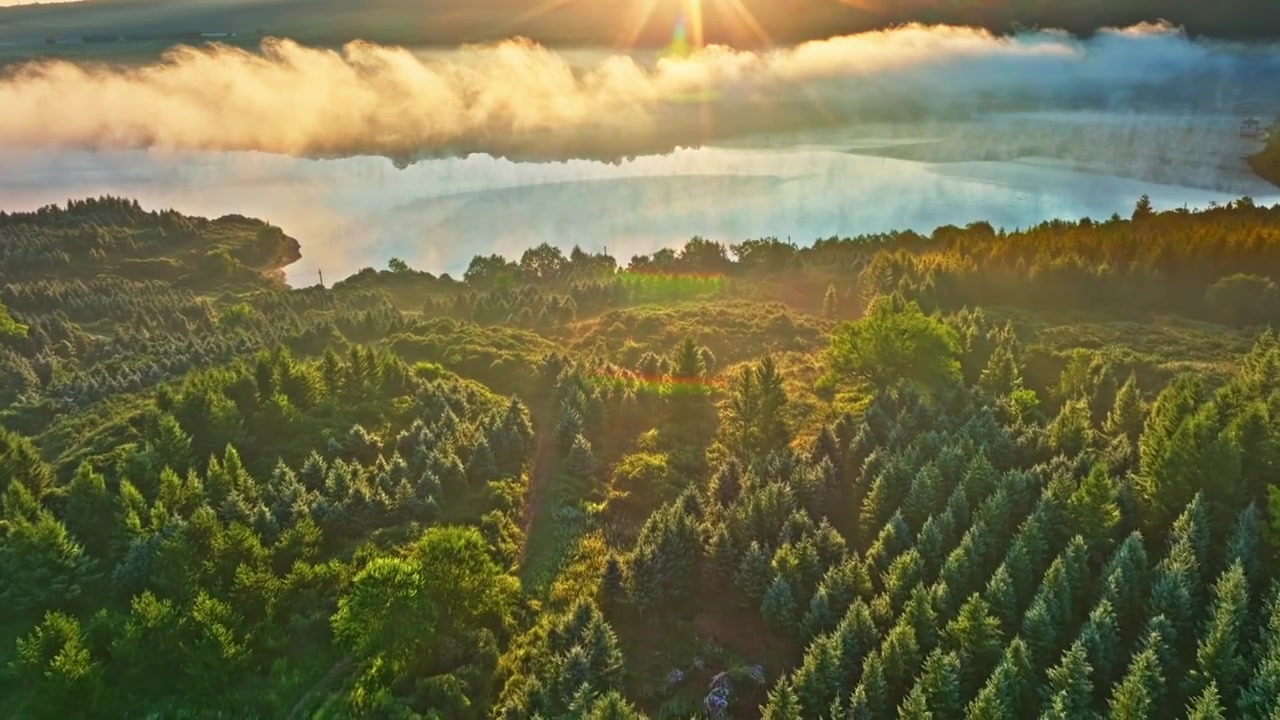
{"x":1101,"y":640}
{"x":754,"y":576}
{"x":1128,"y":414}
{"x":1220,"y":660}
{"x":939,"y":683}
{"x":1070,"y":686}
{"x":1010,"y":691}
{"x":974,"y":635}
{"x":779,"y":607}
{"x":1094,"y":511}
{"x":1207,"y":706}
{"x":782,"y":704}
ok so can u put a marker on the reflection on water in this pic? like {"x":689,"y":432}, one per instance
{"x":362,"y":211}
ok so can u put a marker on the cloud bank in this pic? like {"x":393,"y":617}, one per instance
{"x":525,"y":102}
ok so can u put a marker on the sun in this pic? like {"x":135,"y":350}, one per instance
{"x":690,"y":27}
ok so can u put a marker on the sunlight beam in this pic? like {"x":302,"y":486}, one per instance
{"x":637,"y":22}
{"x":693,"y":11}
{"x":546,"y":7}
{"x":745,"y":16}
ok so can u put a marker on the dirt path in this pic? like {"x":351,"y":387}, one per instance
{"x":544,"y":456}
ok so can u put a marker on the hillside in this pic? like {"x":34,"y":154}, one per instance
{"x":973,"y":474}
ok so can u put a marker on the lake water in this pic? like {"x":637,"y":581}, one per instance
{"x":437,"y":214}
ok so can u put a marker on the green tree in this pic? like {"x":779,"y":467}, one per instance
{"x":1137,"y":694}
{"x":20,"y":462}
{"x":779,"y":606}
{"x":974,"y":635}
{"x":754,"y":577}
{"x":1185,"y":450}
{"x":939,"y":683}
{"x":10,"y":329}
{"x":1070,"y":688}
{"x":1010,"y":691}
{"x":686,"y":364}
{"x":445,"y":589}
{"x":1207,"y":705}
{"x":782,"y":704}
{"x":1127,"y":414}
{"x":1072,"y":430}
{"x":1220,"y":662}
{"x":1002,"y":375}
{"x":55,"y":665}
{"x":1094,"y":510}
{"x":41,"y":566}
{"x":895,"y":341}
{"x":1143,"y":210}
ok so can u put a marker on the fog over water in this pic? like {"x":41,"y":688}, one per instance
{"x":437,"y":214}
{"x":909,"y":128}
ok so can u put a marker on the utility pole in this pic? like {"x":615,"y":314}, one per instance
{"x":321,"y":278}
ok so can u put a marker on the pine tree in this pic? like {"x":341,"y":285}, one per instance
{"x":754,"y":576}
{"x":1207,"y":706}
{"x":939,"y":682}
{"x":1002,"y":374}
{"x":900,"y":655}
{"x":1243,"y":545}
{"x":1094,"y":511}
{"x":1000,"y":596}
{"x":581,"y":462}
{"x":773,"y":433}
{"x":779,"y":607}
{"x":1072,"y":430}
{"x":818,"y":681}
{"x":1100,"y":637}
{"x":1070,"y":687}
{"x":1009,"y":692}
{"x":722,"y":560}
{"x":1138,"y":693}
{"x":1219,"y":658}
{"x":1261,"y":699}
{"x":830,"y":302}
{"x":916,"y":706}
{"x":974,"y":635}
{"x":613,"y":584}
{"x":782,"y":704}
{"x":686,"y":364}
{"x":1128,"y":414}
{"x":482,"y":467}
{"x":872,"y":696}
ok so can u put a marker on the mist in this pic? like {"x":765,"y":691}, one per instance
{"x":521,"y":101}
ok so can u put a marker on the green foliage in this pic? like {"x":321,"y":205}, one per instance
{"x":226,"y":498}
{"x":10,"y":329}
{"x":894,"y":342}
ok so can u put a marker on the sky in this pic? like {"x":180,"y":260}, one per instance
{"x":519,"y":100}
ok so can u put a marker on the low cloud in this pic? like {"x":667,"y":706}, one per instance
{"x":525,"y":102}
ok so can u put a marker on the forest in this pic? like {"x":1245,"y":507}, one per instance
{"x":979,"y":473}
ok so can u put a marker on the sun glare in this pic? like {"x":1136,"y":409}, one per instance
{"x":691,"y":27}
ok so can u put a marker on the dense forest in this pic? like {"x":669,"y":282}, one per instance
{"x":983,"y":473}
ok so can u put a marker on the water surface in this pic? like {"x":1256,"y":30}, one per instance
{"x":358,"y":212}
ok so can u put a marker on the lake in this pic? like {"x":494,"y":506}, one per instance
{"x":437,"y":214}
